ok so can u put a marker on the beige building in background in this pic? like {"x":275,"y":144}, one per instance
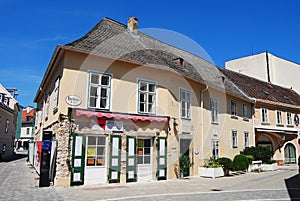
{"x":269,"y":68}
{"x":124,"y":107}
{"x":276,"y":116}
{"x":9,"y":109}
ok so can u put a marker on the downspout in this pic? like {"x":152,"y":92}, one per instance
{"x":253,"y":121}
{"x":202,"y":121}
{"x":268,"y":66}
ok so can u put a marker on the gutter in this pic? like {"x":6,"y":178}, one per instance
{"x":202,"y":121}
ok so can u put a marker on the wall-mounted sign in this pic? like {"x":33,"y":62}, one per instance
{"x":73,"y":100}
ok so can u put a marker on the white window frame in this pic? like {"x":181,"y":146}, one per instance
{"x":185,"y":97}
{"x":278,"y":116}
{"x":56,"y":94}
{"x":264,"y":115}
{"x":234,"y":139}
{"x":99,"y":87}
{"x":147,"y":94}
{"x":233,"y":106}
{"x":245,"y":111}
{"x":213,"y":110}
{"x":215,"y":149}
{"x":246,"y":139}
{"x":289,"y":119}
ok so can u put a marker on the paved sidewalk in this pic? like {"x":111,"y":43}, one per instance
{"x":19,"y":181}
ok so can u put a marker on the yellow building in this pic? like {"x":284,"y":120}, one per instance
{"x":124,"y":107}
{"x":276,"y":119}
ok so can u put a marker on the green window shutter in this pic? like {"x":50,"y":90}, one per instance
{"x":161,"y":158}
{"x":115,"y":158}
{"x":131,"y":159}
{"x":78,"y":157}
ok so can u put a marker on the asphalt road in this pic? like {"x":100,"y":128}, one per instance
{"x":18,"y":181}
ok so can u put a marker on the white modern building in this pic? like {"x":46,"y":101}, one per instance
{"x":269,"y":68}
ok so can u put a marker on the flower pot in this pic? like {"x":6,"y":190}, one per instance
{"x":210,"y":172}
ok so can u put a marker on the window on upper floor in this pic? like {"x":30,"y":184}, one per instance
{"x":214,"y":110}
{"x":27,"y":131}
{"x":215,"y":149}
{"x":185,"y":104}
{"x":99,"y":91}
{"x":146,"y":96}
{"x":56,"y":94}
{"x":246,"y":139}
{"x":233,"y":108}
{"x":6,"y":125}
{"x":289,"y":118}
{"x":234,"y":139}
{"x":245,"y":111}
{"x":278,"y":117}
{"x":264,"y":115}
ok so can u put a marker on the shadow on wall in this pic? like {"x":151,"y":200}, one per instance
{"x":293,"y":187}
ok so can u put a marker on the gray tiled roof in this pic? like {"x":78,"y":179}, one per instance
{"x":113,"y":39}
{"x":263,"y":90}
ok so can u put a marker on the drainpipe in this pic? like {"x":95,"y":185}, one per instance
{"x":268,"y":66}
{"x":253,"y":120}
{"x":202,"y":121}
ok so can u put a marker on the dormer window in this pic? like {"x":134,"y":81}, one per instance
{"x":1,"y":97}
{"x":179,"y":61}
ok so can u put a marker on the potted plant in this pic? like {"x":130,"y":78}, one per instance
{"x":226,"y":164}
{"x":271,"y":165}
{"x":184,"y":165}
{"x":211,"y":169}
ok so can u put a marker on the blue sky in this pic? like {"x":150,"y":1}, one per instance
{"x":225,"y":29}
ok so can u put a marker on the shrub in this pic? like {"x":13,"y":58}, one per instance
{"x":250,"y":158}
{"x":271,"y":161}
{"x":240,"y":163}
{"x":225,"y":162}
{"x":184,"y":164}
{"x":259,"y":153}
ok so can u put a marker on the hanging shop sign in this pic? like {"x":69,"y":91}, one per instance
{"x":73,"y":100}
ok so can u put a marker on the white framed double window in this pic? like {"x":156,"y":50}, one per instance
{"x":234,"y":139}
{"x":185,"y":103}
{"x":264,"y":115}
{"x":233,"y":108}
{"x":289,"y":119}
{"x":215,"y":149}
{"x":146,"y":96}
{"x":245,"y":111}
{"x":278,"y":117}
{"x":246,"y":139}
{"x":56,"y":94}
{"x":214,"y":110}
{"x":99,"y":90}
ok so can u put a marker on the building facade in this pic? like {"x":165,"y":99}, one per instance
{"x":269,"y":68}
{"x":8,"y":116}
{"x":25,"y":131}
{"x":276,"y":116}
{"x":123,"y":107}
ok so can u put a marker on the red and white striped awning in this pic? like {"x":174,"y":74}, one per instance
{"x":118,"y":116}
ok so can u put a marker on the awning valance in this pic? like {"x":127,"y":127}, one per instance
{"x":119,"y":116}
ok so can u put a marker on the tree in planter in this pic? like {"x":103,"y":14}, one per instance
{"x":240,"y":163}
{"x":184,"y":165}
{"x":226,"y":164}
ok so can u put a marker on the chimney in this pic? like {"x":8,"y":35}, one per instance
{"x":132,"y":24}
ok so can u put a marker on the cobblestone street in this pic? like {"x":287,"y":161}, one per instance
{"x":19,"y":181}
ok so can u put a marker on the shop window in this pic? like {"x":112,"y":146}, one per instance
{"x":96,"y":150}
